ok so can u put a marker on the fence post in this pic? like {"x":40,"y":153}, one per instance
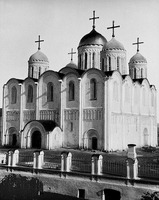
{"x":68,"y":162}
{"x":97,"y":164}
{"x":62,"y":162}
{"x":10,"y":153}
{"x":132,"y":162}
{"x":40,"y":159}
{"x":15,"y":158}
{"x":93,"y":171}
{"x":100,"y":165}
{"x":35,"y":161}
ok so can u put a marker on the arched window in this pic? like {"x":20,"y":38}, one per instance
{"x":141,"y":72}
{"x":80,"y":62}
{"x":32,"y":72}
{"x":39,"y":71}
{"x":30,"y":94}
{"x":102,"y":64}
{"x":109,"y":60}
{"x":93,"y":60}
{"x":93,"y":89}
{"x":71,"y":126}
{"x":85,"y":60}
{"x":71,"y":91}
{"x":118,"y":63}
{"x":115,"y":91}
{"x":134,"y":73}
{"x":14,"y":95}
{"x":50,"y":92}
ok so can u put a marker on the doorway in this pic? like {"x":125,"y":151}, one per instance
{"x":112,"y":194}
{"x":36,"y":140}
{"x":94,"y":143}
{"x":14,"y":139}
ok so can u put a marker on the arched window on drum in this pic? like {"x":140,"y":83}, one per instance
{"x":118,"y":63}
{"x":93,"y":60}
{"x":86,"y":60}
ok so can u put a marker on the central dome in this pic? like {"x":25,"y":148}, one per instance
{"x":38,"y":57}
{"x":93,"y":38}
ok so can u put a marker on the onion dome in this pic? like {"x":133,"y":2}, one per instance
{"x":38,"y":57}
{"x":93,"y":38}
{"x":113,"y":44}
{"x":138,"y":58}
{"x":72,"y":65}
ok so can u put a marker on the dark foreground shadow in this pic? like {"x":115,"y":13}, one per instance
{"x":55,"y":196}
{"x":17,"y":187}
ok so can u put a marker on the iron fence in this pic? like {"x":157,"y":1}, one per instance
{"x":113,"y":167}
{"x":52,"y":162}
{"x":25,"y":160}
{"x":81,"y":164}
{"x":148,"y":170}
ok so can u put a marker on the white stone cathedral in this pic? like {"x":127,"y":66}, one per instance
{"x":101,"y":103}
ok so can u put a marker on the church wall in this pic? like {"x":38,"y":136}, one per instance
{"x":131,"y":121}
{"x":86,"y":90}
{"x":92,"y":109}
{"x":126,"y":95}
{"x":28,"y":102}
{"x":44,"y":80}
{"x":116,"y":92}
{"x":70,"y":109}
{"x":136,"y":99}
{"x":11,"y":111}
{"x":49,"y":110}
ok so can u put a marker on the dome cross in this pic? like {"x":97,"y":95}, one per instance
{"x":138,"y":43}
{"x":94,"y":18}
{"x":39,"y":42}
{"x":72,"y":54}
{"x":113,"y":27}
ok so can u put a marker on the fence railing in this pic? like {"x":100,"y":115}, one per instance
{"x":80,"y":164}
{"x":129,"y":167}
{"x":113,"y":167}
{"x":52,"y":162}
{"x":25,"y":160}
{"x":148,"y":170}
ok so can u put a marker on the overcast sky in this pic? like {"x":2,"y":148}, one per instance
{"x":62,"y":23}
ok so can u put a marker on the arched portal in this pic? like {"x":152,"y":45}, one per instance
{"x":12,"y":137}
{"x":146,"y":137}
{"x":111,"y":194}
{"x":91,"y":139}
{"x":36,"y":140}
